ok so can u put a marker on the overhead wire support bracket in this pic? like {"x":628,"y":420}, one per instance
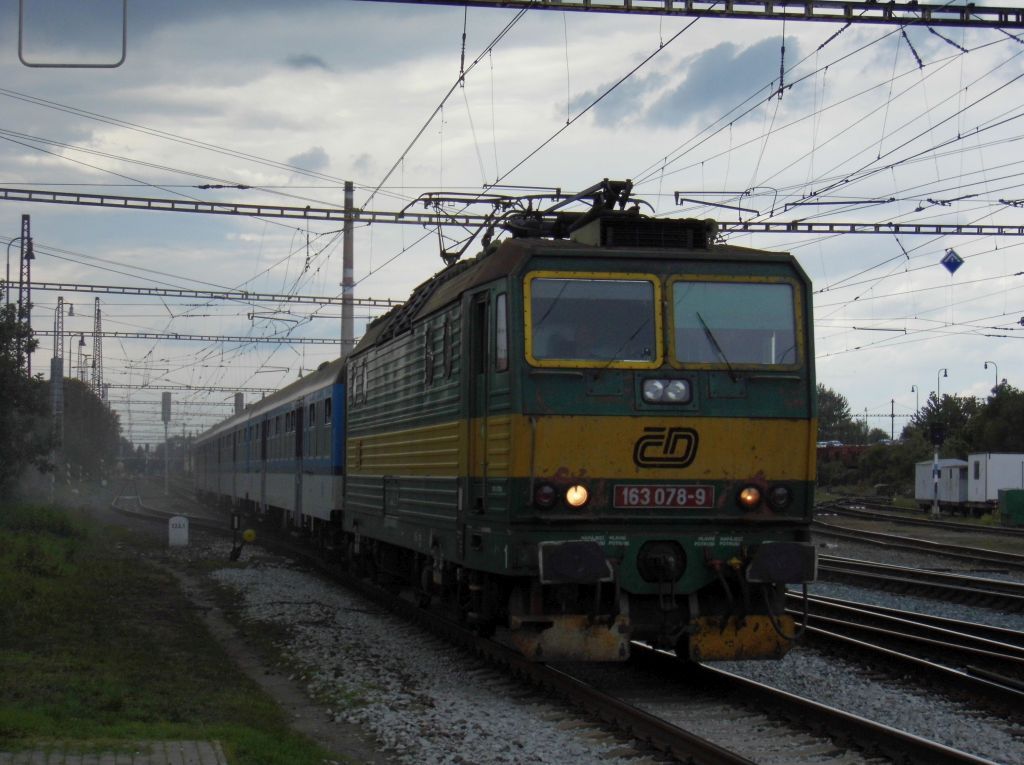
{"x":835,"y":11}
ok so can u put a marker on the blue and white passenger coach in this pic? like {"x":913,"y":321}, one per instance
{"x":281,"y":457}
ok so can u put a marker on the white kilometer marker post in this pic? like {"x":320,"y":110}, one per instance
{"x":177,"y":531}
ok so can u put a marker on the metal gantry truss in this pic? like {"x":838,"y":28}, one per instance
{"x":239,"y":295}
{"x":99,"y":334}
{"x":834,"y":11}
{"x":182,"y":387}
{"x":475,"y":220}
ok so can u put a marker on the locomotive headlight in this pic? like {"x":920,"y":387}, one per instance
{"x":576,"y":496}
{"x":666,"y":391}
{"x":779,"y":497}
{"x":545,"y":496}
{"x":749,"y":497}
{"x":654,"y":390}
{"x":678,"y":392}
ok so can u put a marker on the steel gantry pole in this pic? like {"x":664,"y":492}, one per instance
{"x":347,"y":275}
{"x":97,"y":351}
{"x":57,"y":374}
{"x":25,"y":292}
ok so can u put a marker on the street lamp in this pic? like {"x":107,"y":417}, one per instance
{"x":938,"y":382}
{"x":996,"y":388}
{"x":917,"y":400}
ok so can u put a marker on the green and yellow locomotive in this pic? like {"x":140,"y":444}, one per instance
{"x":600,"y":429}
{"x":593,"y":439}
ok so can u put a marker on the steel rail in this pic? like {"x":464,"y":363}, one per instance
{"x":641,"y":725}
{"x":872,"y":736}
{"x":999,"y":697}
{"x":976,"y":590}
{"x":983,"y":634}
{"x":959,"y":552}
{"x":858,"y":509}
{"x":687,"y":747}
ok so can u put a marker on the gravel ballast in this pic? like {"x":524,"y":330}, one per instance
{"x":424,"y":700}
{"x":427,"y":702}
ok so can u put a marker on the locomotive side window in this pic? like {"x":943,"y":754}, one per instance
{"x":446,"y":340}
{"x":501,"y":333}
{"x":728,"y":323}
{"x":428,"y":355}
{"x":579,"y":320}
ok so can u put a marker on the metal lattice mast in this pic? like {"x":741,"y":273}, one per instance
{"x":348,"y":275}
{"x":25,"y":290}
{"x":81,"y":357}
{"x":58,"y":329}
{"x":57,"y":374}
{"x":97,"y":351}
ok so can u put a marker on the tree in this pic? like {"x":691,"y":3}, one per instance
{"x":834,"y":421}
{"x":92,"y":433}
{"x":999,"y":423}
{"x":953,"y":418}
{"x":25,"y":432}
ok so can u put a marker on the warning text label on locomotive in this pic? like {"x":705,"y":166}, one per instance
{"x":662,"y":496}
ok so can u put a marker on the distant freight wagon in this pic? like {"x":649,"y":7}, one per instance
{"x":972,"y":485}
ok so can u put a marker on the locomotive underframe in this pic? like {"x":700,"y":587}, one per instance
{"x":729,"y":617}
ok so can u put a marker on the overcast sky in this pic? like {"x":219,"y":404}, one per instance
{"x":292,"y":99}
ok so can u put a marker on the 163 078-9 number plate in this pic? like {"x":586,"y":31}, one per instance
{"x":663,"y":496}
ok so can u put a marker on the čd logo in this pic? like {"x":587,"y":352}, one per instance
{"x":665,"y":448}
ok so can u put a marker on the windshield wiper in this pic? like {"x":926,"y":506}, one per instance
{"x":718,"y":349}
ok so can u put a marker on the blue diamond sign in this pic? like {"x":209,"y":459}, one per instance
{"x":951,"y":261}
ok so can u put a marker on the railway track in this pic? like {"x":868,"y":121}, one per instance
{"x":960,"y":588}
{"x":877,"y":511}
{"x":970,"y":661}
{"x":994,"y":558}
{"x":797,"y":729}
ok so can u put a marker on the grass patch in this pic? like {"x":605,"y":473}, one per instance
{"x":99,"y":648}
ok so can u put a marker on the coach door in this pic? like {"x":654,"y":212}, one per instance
{"x":299,"y":433}
{"x":263,"y":426}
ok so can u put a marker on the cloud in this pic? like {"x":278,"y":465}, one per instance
{"x":623,"y":103}
{"x":720,"y":78}
{"x":363,"y":164}
{"x":713,"y":81}
{"x":314,"y":159}
{"x":306,"y":61}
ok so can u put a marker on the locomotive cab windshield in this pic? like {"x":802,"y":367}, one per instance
{"x":610,"y":319}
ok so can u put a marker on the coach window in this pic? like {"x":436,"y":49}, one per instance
{"x":584,"y":320}
{"x":723,"y":323}
{"x":327,"y":410}
{"x":501,"y":333}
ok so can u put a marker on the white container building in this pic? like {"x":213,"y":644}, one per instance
{"x":953,"y":483}
{"x":988,"y":473}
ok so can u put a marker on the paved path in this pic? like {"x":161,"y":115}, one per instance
{"x":148,"y":753}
